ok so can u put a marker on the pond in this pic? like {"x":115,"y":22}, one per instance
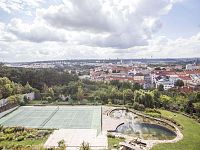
{"x":133,"y":125}
{"x":146,"y":131}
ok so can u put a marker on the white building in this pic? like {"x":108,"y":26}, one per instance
{"x":195,"y":78}
{"x":192,"y":67}
{"x":167,"y":83}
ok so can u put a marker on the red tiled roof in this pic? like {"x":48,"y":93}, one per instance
{"x":185,"y":89}
{"x":122,"y":68}
{"x":185,"y":78}
{"x":139,"y":74}
{"x":192,"y":71}
{"x":183,"y":73}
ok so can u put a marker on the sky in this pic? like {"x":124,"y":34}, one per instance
{"x":33,"y":30}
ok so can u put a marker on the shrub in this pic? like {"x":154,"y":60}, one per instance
{"x":20,"y":138}
{"x":45,"y":102}
{"x":122,"y":138}
{"x":9,"y":137}
{"x":141,"y":107}
{"x":18,"y":129}
{"x":30,"y":136}
{"x":2,"y":138}
{"x":61,"y":144}
{"x":85,"y":146}
{"x":18,"y":146}
{"x":155,"y":115}
{"x":1,"y":128}
{"x":21,"y":102}
{"x":136,"y":105}
{"x":9,"y":130}
{"x":43,"y":133}
{"x":110,"y":136}
{"x":149,"y":110}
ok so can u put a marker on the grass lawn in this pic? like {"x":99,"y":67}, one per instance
{"x":114,"y":142}
{"x":34,"y":102}
{"x":25,"y":144}
{"x":191,"y":133}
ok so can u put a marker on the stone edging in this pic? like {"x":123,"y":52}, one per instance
{"x":151,"y":143}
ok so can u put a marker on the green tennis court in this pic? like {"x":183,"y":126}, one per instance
{"x":63,"y":117}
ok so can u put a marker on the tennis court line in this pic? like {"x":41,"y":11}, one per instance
{"x":49,"y":118}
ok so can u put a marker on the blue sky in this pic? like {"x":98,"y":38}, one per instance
{"x":32,"y":30}
{"x":183,"y":20}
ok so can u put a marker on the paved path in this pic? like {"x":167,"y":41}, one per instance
{"x":74,"y":137}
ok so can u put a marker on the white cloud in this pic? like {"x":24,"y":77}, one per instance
{"x":84,"y":29}
{"x":162,"y":47}
{"x":122,"y":24}
{"x":159,"y":47}
{"x":11,"y":6}
{"x":37,"y":32}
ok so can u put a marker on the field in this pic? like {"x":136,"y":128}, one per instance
{"x":63,"y":117}
{"x":191,"y":133}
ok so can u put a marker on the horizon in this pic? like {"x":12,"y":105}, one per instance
{"x":111,"y":59}
{"x":38,"y":30}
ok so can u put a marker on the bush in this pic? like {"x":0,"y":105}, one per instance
{"x":155,"y":115}
{"x":21,"y":102}
{"x":1,"y":128}
{"x":45,"y":102}
{"x":61,"y":144}
{"x":136,"y":105}
{"x":2,"y":138}
{"x":30,"y":136}
{"x":18,"y":129}
{"x":149,"y":110}
{"x":9,"y":130}
{"x":110,"y":136}
{"x":20,"y":138}
{"x":18,"y":146}
{"x":49,"y":99}
{"x":141,"y":107}
{"x":85,"y":146}
{"x":9,"y":137}
{"x":42,"y":133}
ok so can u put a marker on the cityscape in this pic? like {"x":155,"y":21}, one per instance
{"x":99,"y":75}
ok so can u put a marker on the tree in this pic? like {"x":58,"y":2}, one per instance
{"x":116,"y":83}
{"x":197,"y":97}
{"x":165,"y":101}
{"x":7,"y":90}
{"x":179,"y":83}
{"x":128,"y":96}
{"x":50,"y":92}
{"x":85,"y":146}
{"x":161,"y":87}
{"x":137,"y":86}
{"x":45,"y":88}
{"x":80,"y":93}
{"x":14,"y":99}
{"x":197,"y":109}
{"x":27,"y":88}
{"x":156,"y":97}
{"x":189,"y":107}
{"x":61,"y":145}
{"x":137,"y":96}
{"x":115,"y":94}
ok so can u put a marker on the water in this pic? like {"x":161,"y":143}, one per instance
{"x":146,"y":131}
{"x":132,"y":126}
